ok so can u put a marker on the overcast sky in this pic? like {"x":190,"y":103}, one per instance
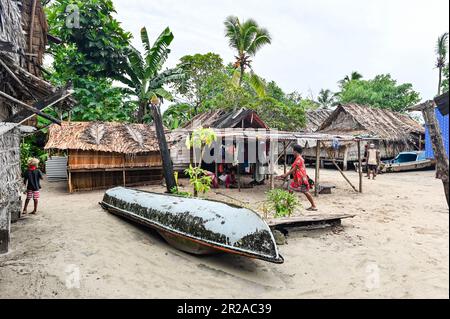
{"x":315,"y":43}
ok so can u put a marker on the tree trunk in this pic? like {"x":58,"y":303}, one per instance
{"x":141,"y":110}
{"x":164,"y":149}
{"x":440,"y":154}
{"x":241,"y":78}
{"x":440,"y":80}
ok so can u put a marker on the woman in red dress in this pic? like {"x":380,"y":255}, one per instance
{"x":301,"y":180}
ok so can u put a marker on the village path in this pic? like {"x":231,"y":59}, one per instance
{"x":396,"y":247}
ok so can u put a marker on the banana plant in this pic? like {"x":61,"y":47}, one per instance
{"x":145,"y":80}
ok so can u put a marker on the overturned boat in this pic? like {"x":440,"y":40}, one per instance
{"x":197,"y":226}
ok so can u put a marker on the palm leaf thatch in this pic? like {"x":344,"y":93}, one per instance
{"x":111,"y":137}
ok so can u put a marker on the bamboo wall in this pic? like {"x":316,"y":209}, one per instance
{"x":100,"y":160}
{"x":89,"y":170}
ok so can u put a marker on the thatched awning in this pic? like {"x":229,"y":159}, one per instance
{"x":103,"y":137}
{"x":358,"y":120}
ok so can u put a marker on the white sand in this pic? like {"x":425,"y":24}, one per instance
{"x":396,"y":247}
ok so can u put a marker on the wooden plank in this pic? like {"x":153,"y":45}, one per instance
{"x":317,"y":172}
{"x":306,"y":220}
{"x":32,"y":109}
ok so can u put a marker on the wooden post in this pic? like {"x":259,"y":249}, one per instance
{"x":317,"y":174}
{"x":440,"y":154}
{"x":70,"y":182}
{"x":272,"y":165}
{"x":360,"y":167}
{"x":285,"y":157}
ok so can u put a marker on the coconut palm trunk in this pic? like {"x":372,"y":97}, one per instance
{"x":164,"y":149}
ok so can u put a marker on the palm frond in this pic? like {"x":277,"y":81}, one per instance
{"x":145,"y":39}
{"x":257,"y":85}
{"x":232,"y":32}
{"x":168,"y":76}
{"x":157,"y":55}
{"x":262,"y":37}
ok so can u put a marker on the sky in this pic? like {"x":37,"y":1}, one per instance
{"x":315,"y":42}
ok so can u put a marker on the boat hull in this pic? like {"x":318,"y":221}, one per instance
{"x":196,"y":226}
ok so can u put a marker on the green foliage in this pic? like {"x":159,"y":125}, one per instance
{"x":177,"y":114}
{"x":29,"y":149}
{"x":326,"y":98}
{"x":143,"y":74}
{"x":176,"y":191}
{"x":99,"y":40}
{"x":444,"y":86}
{"x":199,"y":179}
{"x":197,"y":69}
{"x":200,"y":139}
{"x":88,"y":58}
{"x":247,"y":38}
{"x":380,"y":92}
{"x":282,"y":203}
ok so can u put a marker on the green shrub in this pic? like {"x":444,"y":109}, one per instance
{"x":282,"y":203}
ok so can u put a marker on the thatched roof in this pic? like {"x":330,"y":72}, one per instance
{"x":227,"y":119}
{"x":315,"y":118}
{"x":103,"y":137}
{"x":358,"y":120}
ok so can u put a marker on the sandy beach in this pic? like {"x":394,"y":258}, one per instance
{"x":397,"y":246}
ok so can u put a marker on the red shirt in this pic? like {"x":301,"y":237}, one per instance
{"x":300,"y":175}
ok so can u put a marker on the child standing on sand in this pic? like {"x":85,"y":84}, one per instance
{"x":31,"y":179}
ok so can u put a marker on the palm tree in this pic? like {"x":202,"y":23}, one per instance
{"x":146,"y":82}
{"x":354,"y":76}
{"x":326,"y":98}
{"x":247,"y":39}
{"x":441,"y":52}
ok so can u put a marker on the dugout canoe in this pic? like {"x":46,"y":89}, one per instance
{"x":197,"y":226}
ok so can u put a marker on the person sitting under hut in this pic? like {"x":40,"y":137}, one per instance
{"x":301,"y":180}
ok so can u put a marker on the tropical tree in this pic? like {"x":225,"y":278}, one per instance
{"x":146,"y":81}
{"x":247,"y":39}
{"x":441,"y":52}
{"x":326,"y":98}
{"x":354,"y":76}
{"x":380,"y":92}
{"x":445,"y":81}
{"x":197,"y":69}
{"x":99,"y":38}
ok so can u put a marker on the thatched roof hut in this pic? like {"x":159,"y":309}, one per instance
{"x":108,"y":137}
{"x":216,"y":119}
{"x":358,"y":120}
{"x":242,"y":118}
{"x":102,"y":155}
{"x":392,"y":132}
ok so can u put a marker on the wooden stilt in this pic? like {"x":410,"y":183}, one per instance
{"x":360,"y":167}
{"x":70,"y":182}
{"x":317,"y":173}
